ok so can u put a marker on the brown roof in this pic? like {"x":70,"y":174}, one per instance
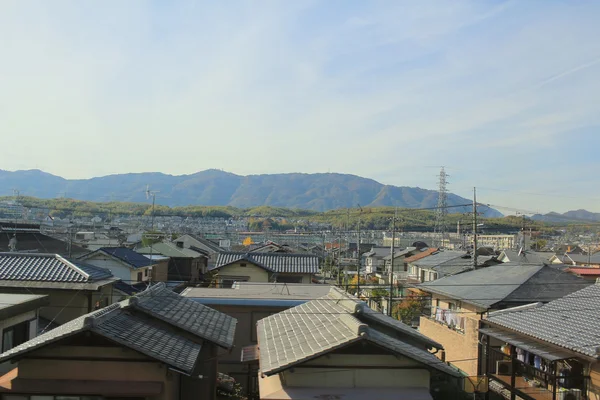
{"x":422,"y":254}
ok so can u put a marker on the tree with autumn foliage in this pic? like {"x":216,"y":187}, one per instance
{"x":409,"y":309}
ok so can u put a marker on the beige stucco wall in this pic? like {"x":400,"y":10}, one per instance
{"x":461,"y":349}
{"x":254,"y":273}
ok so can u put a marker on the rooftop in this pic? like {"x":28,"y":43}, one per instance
{"x":15,"y":304}
{"x":331,"y":322}
{"x":249,"y":290}
{"x":506,"y":283}
{"x":571,"y":322}
{"x":169,"y":250}
{"x":272,"y":262}
{"x":158,"y":337}
{"x":133,"y":259}
{"x":424,"y":253}
{"x":48,"y":268}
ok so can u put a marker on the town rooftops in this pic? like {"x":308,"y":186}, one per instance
{"x":585,"y":271}
{"x":378,"y":252}
{"x":15,"y":304}
{"x":215,"y":248}
{"x":570,"y":322}
{"x":272,"y":262}
{"x":169,"y":250}
{"x":332,"y":322}
{"x":131,"y":258}
{"x":581,"y":258}
{"x":130,"y":323}
{"x":258,"y":294}
{"x":401,"y":252}
{"x":525,"y":257}
{"x":506,"y":284}
{"x":50,"y":271}
{"x":424,"y":253}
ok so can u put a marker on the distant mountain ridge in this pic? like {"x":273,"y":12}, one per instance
{"x":573,"y":215}
{"x":319,"y":192}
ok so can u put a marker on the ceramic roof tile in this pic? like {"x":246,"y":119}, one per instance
{"x":572,"y":322}
{"x":48,"y":268}
{"x":317,"y":327}
{"x":128,"y":256}
{"x":273,"y":262}
{"x":187,"y":314}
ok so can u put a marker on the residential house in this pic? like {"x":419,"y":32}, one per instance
{"x":134,"y":269}
{"x":156,"y":345}
{"x":272,"y":247}
{"x":589,"y":273}
{"x":569,"y":248}
{"x":249,"y":302}
{"x":525,"y":257}
{"x":582,"y":260}
{"x":160,"y":267}
{"x":22,"y":237}
{"x":497,"y":242}
{"x":544,"y":351}
{"x":18,"y":320}
{"x":200,"y":244}
{"x":443,"y":263}
{"x":374,"y":259}
{"x":125,"y":264}
{"x":458,"y":303}
{"x":184,"y":264}
{"x":73,"y":287}
{"x":337,"y":347}
{"x":413,"y":275}
{"x":264,"y":267}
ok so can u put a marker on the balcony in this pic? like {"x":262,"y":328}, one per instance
{"x":453,"y":319}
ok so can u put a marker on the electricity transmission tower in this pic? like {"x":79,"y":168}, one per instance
{"x":441,"y":227}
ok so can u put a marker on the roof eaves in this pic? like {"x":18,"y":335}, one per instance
{"x":73,"y":267}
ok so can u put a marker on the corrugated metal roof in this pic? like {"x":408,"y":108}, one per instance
{"x":273,"y":262}
{"x":48,"y":268}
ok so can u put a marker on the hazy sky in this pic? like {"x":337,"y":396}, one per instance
{"x":505,"y":94}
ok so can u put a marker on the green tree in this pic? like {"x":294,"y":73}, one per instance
{"x":409,"y":309}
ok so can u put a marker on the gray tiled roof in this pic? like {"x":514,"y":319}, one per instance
{"x":508,"y":283}
{"x":439,"y":258}
{"x":400,"y":253}
{"x":572,"y":322}
{"x":198,"y":319}
{"x":141,"y":324}
{"x":526,"y":257}
{"x":48,"y":268}
{"x":273,"y":262}
{"x":128,"y":256}
{"x":317,"y":327}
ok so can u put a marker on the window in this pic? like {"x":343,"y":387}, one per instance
{"x":242,"y":264}
{"x":146,"y":272}
{"x":15,"y":335}
{"x":139,"y":276}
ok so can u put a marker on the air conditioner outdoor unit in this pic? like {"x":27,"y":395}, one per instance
{"x":569,"y":394}
{"x":504,"y":367}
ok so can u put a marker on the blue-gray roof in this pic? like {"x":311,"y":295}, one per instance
{"x":48,"y":268}
{"x":128,"y":256}
{"x":272,"y":262}
{"x":572,"y":322}
{"x":151,"y":323}
{"x":506,"y":283}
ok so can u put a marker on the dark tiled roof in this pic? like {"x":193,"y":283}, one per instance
{"x":130,"y":289}
{"x":149,"y":323}
{"x":213,"y":246}
{"x":39,"y":243}
{"x":422,"y":254}
{"x":48,"y":268}
{"x":128,"y":256}
{"x":162,"y":303}
{"x":273,"y":262}
{"x":572,"y":322}
{"x":317,"y":327}
{"x":518,"y":284}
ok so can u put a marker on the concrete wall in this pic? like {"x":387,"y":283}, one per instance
{"x":458,"y":346}
{"x":250,"y":271}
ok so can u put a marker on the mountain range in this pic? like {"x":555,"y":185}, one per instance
{"x":569,"y":216}
{"x":319,"y":192}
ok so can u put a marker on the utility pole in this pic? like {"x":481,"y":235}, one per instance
{"x":358,"y":254}
{"x":339,"y":259}
{"x":474,"y":228}
{"x":392,"y":251}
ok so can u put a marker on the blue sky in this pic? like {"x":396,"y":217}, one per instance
{"x":503,"y":93}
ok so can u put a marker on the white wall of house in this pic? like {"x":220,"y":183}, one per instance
{"x":119,"y":269}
